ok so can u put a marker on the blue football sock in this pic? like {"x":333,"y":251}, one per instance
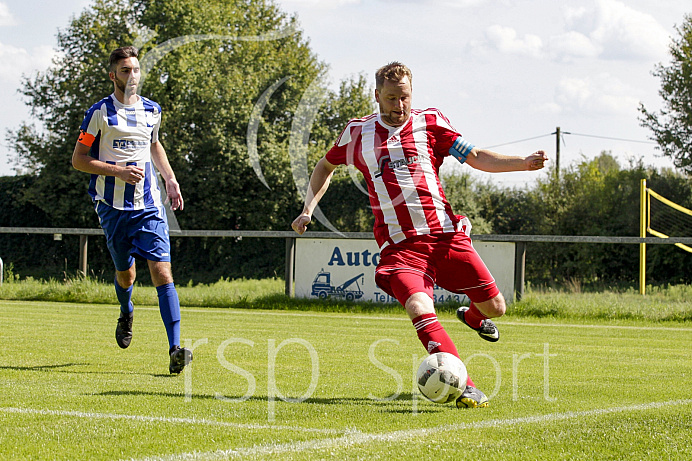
{"x":124,"y":297}
{"x":169,"y":305}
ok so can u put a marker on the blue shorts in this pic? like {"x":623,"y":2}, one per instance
{"x":141,"y":234}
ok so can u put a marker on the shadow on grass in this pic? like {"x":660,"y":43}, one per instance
{"x":385,"y":404}
{"x":45,"y":367}
{"x":62,"y":368}
{"x":283,"y":302}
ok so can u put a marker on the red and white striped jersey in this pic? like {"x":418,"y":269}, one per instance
{"x":401,"y":167}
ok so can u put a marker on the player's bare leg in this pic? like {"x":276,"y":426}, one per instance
{"x":494,"y":307}
{"x":418,"y":304}
{"x":161,"y":272}
{"x":477,"y":316}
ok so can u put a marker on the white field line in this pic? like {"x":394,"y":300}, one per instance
{"x":159,"y":419}
{"x":403,"y":318}
{"x":358,"y":438}
{"x":606,"y":327}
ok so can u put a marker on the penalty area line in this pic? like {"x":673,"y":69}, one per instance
{"x":160,"y":419}
{"x":358,"y":438}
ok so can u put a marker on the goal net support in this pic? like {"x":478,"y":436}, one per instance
{"x":661,"y":218}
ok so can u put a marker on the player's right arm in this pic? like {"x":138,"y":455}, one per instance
{"x":492,"y":162}
{"x":319,"y":182}
{"x":82,"y":161}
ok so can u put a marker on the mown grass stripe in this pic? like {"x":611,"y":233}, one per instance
{"x":358,"y":438}
{"x":160,"y":419}
{"x":403,"y":318}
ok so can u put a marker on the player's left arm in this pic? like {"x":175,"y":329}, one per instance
{"x":160,"y":159}
{"x":492,"y":162}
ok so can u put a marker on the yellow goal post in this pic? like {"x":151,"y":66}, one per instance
{"x":669,"y":216}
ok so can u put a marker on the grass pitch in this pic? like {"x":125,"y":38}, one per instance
{"x":318,"y":385}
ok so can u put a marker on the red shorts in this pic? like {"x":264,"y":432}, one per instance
{"x":447,"y":260}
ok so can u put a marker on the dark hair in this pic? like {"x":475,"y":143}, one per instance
{"x":121,"y":53}
{"x":394,"y":71}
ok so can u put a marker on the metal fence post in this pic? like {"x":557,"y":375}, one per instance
{"x":520,"y":240}
{"x":519,"y":269}
{"x":290,"y":262}
{"x":2,"y":270}
{"x":83,"y":246}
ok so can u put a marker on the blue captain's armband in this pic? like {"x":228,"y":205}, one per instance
{"x":461,"y":149}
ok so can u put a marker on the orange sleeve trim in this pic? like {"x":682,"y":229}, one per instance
{"x":86,"y":138}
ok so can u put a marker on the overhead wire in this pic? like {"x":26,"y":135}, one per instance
{"x":611,"y":138}
{"x":562,"y":133}
{"x":519,"y":140}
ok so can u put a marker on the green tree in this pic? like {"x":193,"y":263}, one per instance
{"x":346,"y":204}
{"x":208,"y":89}
{"x":58,"y":98}
{"x":465,"y":195}
{"x":208,"y":64}
{"x":595,"y":197}
{"x":672,"y":126}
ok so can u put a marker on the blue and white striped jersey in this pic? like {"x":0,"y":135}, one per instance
{"x":122,"y":135}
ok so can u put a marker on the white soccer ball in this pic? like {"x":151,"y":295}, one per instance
{"x":442,"y":377}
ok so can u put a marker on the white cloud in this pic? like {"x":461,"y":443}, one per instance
{"x":321,"y":4}
{"x":606,"y":29}
{"x":439,"y":3}
{"x":23,"y":61}
{"x":573,"y":44}
{"x":506,"y":40}
{"x":618,"y":31}
{"x":6,"y":17}
{"x":602,"y":93}
{"x":334,"y":4}
{"x":458,"y":3}
{"x":574,"y":93}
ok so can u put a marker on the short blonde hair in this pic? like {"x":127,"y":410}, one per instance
{"x":394,"y":71}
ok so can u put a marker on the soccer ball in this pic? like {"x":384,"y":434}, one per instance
{"x":442,"y":377}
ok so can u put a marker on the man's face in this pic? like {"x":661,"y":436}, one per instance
{"x":126,"y":76}
{"x":394,"y":99}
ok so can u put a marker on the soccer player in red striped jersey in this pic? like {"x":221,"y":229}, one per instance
{"x":422,"y":242}
{"x":119,"y":145}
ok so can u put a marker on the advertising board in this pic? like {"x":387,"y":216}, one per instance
{"x":345,"y":269}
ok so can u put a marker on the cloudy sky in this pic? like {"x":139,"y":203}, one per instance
{"x":503,"y":71}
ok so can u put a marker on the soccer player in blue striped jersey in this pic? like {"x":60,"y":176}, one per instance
{"x":119,"y":145}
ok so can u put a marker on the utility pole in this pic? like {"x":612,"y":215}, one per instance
{"x":557,"y":152}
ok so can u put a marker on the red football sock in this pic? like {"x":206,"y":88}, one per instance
{"x":474,"y":317}
{"x":434,"y":337}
